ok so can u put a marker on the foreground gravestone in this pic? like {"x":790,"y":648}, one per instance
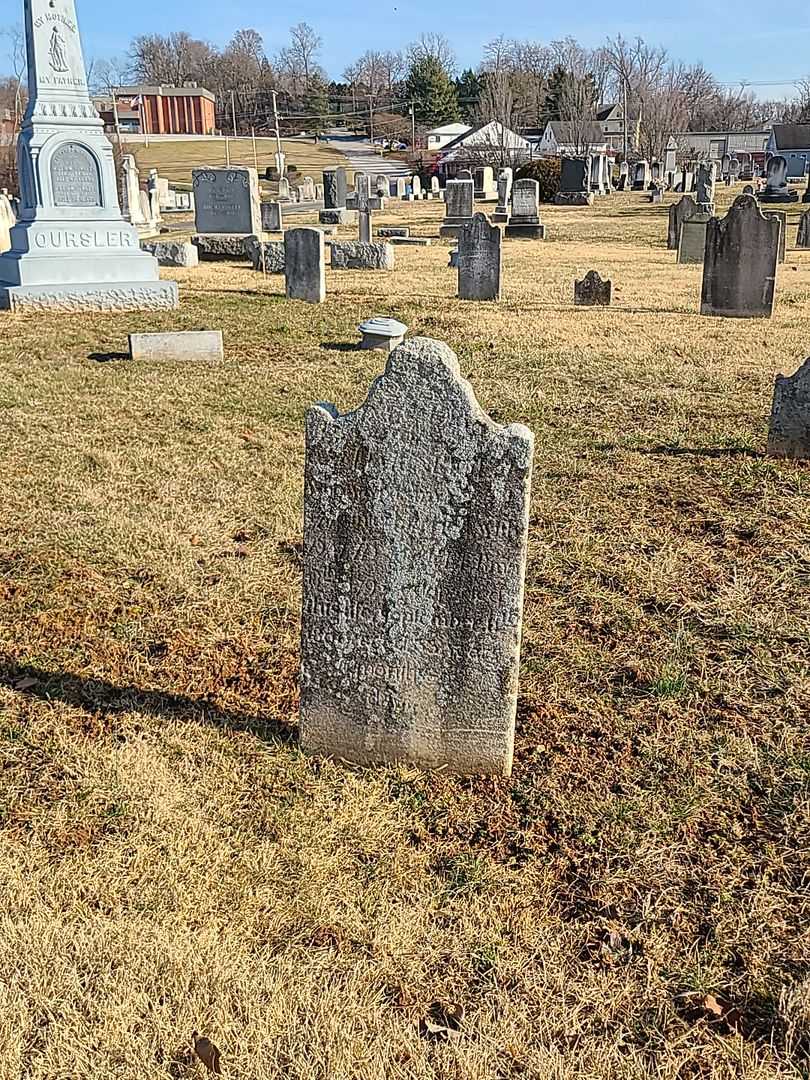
{"x":524,"y":220}
{"x":739,"y":267}
{"x":479,"y":260}
{"x":304,"y":265}
{"x":205,"y":345}
{"x":592,"y":291}
{"x":575,"y":182}
{"x":226,"y":201}
{"x":692,"y":239}
{"x":679,"y":212}
{"x":789,"y":431}
{"x":458,"y":203}
{"x":504,"y":187}
{"x":415,"y":530}
{"x":71,"y":249}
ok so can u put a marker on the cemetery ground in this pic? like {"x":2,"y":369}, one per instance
{"x":631,"y":903}
{"x":175,"y":158}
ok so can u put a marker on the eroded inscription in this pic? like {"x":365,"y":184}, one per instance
{"x":415,"y":522}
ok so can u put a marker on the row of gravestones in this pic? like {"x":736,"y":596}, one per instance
{"x":518,"y":206}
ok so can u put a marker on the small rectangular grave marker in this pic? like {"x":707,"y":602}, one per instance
{"x":201,"y":345}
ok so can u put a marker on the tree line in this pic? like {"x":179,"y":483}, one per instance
{"x":521,"y":83}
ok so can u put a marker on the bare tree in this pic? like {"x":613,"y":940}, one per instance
{"x":15,"y":39}
{"x":433,"y":46}
{"x":298,"y":61}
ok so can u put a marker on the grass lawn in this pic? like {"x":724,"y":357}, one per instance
{"x":175,"y":159}
{"x":632,"y":903}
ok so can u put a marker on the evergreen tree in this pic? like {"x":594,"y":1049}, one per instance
{"x":468,"y":92}
{"x":432,"y":92}
{"x":316,"y":104}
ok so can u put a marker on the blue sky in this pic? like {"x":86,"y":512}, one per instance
{"x":734,"y":39}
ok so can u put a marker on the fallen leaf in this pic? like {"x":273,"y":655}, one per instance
{"x":207,"y":1052}
{"x":712,"y":1005}
{"x":25,"y":683}
{"x":443,"y":1022}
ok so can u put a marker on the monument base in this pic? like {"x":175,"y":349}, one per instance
{"x":450,"y":229}
{"x":104,"y":296}
{"x":778,"y":197}
{"x":525,"y":232}
{"x":573,"y":198}
{"x":337,"y":217}
{"x":500,"y":217}
{"x":213,"y":246}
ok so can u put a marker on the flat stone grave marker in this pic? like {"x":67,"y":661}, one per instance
{"x":739,"y":268}
{"x":204,"y":345}
{"x":789,"y":431}
{"x":415,"y":530}
{"x":479,"y":260}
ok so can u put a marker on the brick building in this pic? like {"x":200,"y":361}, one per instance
{"x":161,"y":110}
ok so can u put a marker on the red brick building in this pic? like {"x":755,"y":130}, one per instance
{"x":161,"y":110}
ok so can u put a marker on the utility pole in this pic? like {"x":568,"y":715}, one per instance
{"x":279,"y":153}
{"x":371,"y":121}
{"x":413,"y":128}
{"x":624,"y":114}
{"x":233,"y":112}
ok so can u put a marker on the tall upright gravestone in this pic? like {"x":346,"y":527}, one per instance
{"x":415,"y":528}
{"x":71,"y":249}
{"x":479,"y":260}
{"x":739,"y":266}
{"x":458,"y":203}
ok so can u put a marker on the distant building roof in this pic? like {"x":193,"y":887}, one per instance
{"x":791,"y":136}
{"x":450,"y":129}
{"x":192,"y":90}
{"x":490,"y":135}
{"x":567,"y":132}
{"x":604,"y":112}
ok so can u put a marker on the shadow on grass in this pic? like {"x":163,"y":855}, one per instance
{"x":702,"y":451}
{"x":108,"y":357}
{"x":103,"y":700}
{"x":340,"y":346}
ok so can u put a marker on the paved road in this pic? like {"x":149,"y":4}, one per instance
{"x":362,"y":155}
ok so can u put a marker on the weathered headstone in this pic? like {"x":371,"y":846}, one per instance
{"x":203,"y":345}
{"x":483,"y":178}
{"x":435,"y":186}
{"x":304,"y":265}
{"x":137,"y":212}
{"x":71,"y":249}
{"x":8,"y":219}
{"x":383,"y":185}
{"x":679,"y":212}
{"x":624,"y":176}
{"x":734,"y":168}
{"x":789,"y":431}
{"x":524,"y":221}
{"x":402,"y":187}
{"x":641,"y":175}
{"x":362,"y":185}
{"x":504,"y":186}
{"x":739,"y":268}
{"x":776,"y":188}
{"x":655,"y":172}
{"x":607,"y":170}
{"x":364,"y":226}
{"x":416,"y":186}
{"x":415,"y":531}
{"x":670,"y":155}
{"x":334,"y":188}
{"x":271,"y":217}
{"x":458,"y":203}
{"x":746,"y":167}
{"x":803,"y":235}
{"x":350,"y":255}
{"x":704,"y":186}
{"x":781,"y":217}
{"x":479,"y":260}
{"x":597,"y":187}
{"x":692,"y":239}
{"x":592,"y":291}
{"x":172,"y":252}
{"x":226,"y":201}
{"x":575,"y":182}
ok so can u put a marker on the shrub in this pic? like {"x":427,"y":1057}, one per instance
{"x":546,"y":171}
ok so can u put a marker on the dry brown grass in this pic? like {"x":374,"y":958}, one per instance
{"x":176,"y":159}
{"x":169,"y":860}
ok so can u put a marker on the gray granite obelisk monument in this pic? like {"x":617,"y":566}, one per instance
{"x":71,"y":249}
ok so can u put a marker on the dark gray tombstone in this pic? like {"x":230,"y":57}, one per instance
{"x":803,"y":235}
{"x":592,"y":291}
{"x":304,"y":265}
{"x":271,"y":217}
{"x":334,"y":188}
{"x":692,"y":239}
{"x":575,"y":182}
{"x":739,"y":268}
{"x":680,"y":212}
{"x":776,"y":188}
{"x":226,"y":201}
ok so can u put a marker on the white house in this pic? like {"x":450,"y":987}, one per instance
{"x":572,"y":138}
{"x":439,"y":137}
{"x":489,"y":144}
